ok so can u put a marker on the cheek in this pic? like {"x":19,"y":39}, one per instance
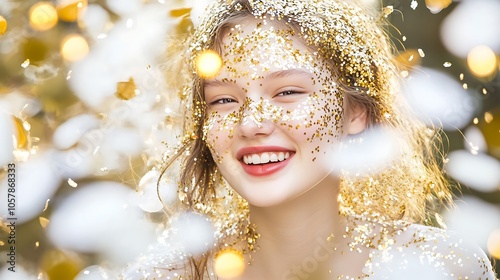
{"x":217,"y":134}
{"x":320,"y":118}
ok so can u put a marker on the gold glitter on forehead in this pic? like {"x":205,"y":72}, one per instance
{"x":274,"y":47}
{"x":341,"y":32}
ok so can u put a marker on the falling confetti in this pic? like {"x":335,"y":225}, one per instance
{"x":44,"y":222}
{"x":421,"y":53}
{"x":72,"y":183}
{"x":46,"y":205}
{"x":414,"y":4}
{"x":126,"y":90}
{"x":447,"y":64}
{"x":25,"y":63}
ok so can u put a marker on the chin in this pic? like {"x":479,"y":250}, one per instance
{"x":268,"y":194}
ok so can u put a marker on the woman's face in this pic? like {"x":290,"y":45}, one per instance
{"x":274,"y":114}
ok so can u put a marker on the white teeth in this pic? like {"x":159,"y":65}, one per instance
{"x":265,"y":157}
{"x":273,"y":157}
{"x":256,"y":159}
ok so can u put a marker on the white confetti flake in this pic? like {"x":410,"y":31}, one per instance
{"x":414,"y":4}
{"x":447,"y":64}
{"x":421,"y":53}
{"x":72,"y":183}
{"x":25,"y":63}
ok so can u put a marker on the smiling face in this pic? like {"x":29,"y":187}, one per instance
{"x":273,"y":114}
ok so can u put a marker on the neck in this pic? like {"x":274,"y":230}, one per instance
{"x":295,"y":231}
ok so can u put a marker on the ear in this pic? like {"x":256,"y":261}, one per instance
{"x":357,"y":119}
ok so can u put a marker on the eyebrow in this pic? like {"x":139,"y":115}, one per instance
{"x":216,"y":83}
{"x":272,"y":75}
{"x":286,"y":73}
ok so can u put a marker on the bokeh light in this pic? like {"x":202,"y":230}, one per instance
{"x":208,"y":64}
{"x":3,"y":25}
{"x":470,"y":24}
{"x":473,"y":219}
{"x":478,"y":171}
{"x":482,"y":61}
{"x":36,"y":183}
{"x":194,"y":232}
{"x":148,"y":192}
{"x":74,"y":47}
{"x":438,"y":99}
{"x":101,"y":218}
{"x":435,"y":6}
{"x":43,"y":16}
{"x":95,"y":272}
{"x":494,"y":244}
{"x":59,"y":265}
{"x":229,"y":264}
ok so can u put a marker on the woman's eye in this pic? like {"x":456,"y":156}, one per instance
{"x":287,"y":92}
{"x":222,"y":101}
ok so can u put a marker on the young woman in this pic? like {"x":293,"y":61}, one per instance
{"x":302,"y":82}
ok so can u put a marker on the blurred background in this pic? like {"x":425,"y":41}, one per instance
{"x":86,"y":116}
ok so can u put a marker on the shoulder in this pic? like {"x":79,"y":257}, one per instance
{"x":431,"y":252}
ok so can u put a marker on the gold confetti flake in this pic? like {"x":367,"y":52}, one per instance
{"x":44,"y":222}
{"x":37,"y":244}
{"x":475,"y":121}
{"x":387,"y":11}
{"x":126,"y":90}
{"x":22,"y":135}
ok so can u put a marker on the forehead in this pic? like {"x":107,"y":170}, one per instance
{"x":256,"y":46}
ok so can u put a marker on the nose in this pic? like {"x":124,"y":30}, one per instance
{"x":256,"y":119}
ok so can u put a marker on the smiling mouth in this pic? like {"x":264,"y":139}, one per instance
{"x":266,"y":157}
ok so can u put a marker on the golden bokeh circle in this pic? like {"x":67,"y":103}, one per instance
{"x":229,"y":263}
{"x":208,"y":64}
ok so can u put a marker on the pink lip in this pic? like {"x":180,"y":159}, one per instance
{"x":263,"y":169}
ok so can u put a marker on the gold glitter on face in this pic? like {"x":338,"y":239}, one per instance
{"x":272,"y":91}
{"x":298,"y":86}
